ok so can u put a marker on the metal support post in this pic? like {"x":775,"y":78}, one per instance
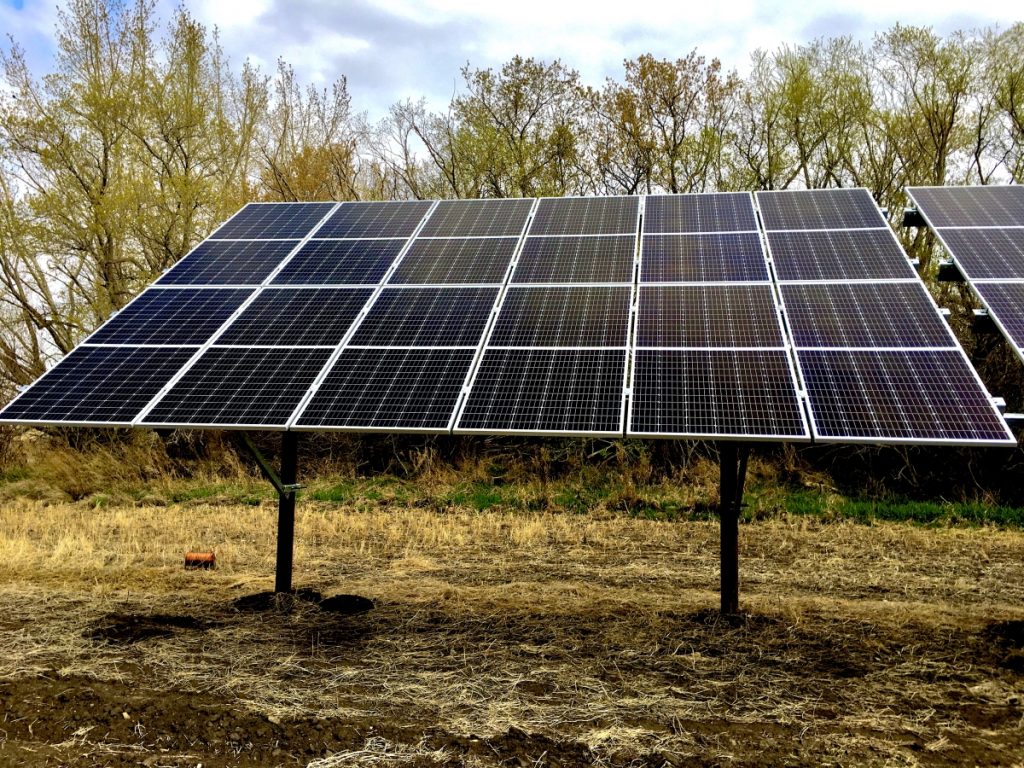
{"x":732,"y":478}
{"x":286,"y":513}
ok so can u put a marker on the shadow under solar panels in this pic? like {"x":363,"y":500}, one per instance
{"x":709,"y":393}
{"x":178,"y":316}
{"x":266,"y":221}
{"x":915,"y":396}
{"x":229,"y":262}
{"x":106,"y":386}
{"x":392,"y":390}
{"x":547,"y":392}
{"x":715,"y":212}
{"x":232,"y":387}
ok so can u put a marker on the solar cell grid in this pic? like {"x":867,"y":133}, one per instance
{"x":99,"y":385}
{"x":912,"y":395}
{"x":458,"y":260}
{"x":340,"y":262}
{"x":864,"y":315}
{"x":819,"y":209}
{"x":547,"y":391}
{"x":708,"y":316}
{"x":842,"y":255}
{"x":427,"y":317}
{"x":601,"y":259}
{"x":1006,"y":303}
{"x":981,"y":206}
{"x":708,"y":393}
{"x":702,"y":258}
{"x":563,"y":316}
{"x":262,"y":221}
{"x":178,"y":316}
{"x":411,"y":389}
{"x":478,"y":218}
{"x":240,"y":387}
{"x":722,"y":212}
{"x":987,"y":254}
{"x":375,"y":219}
{"x":586,"y":216}
{"x":234,"y":262}
{"x":293,"y":317}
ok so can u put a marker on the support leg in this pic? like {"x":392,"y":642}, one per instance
{"x":728,"y":520}
{"x":286,"y":513}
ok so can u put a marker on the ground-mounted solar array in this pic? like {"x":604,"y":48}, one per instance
{"x":877,"y":361}
{"x":982,"y":228}
{"x":656,"y":316}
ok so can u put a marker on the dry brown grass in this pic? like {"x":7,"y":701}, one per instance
{"x":543,"y":637}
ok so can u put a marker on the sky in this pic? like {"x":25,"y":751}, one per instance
{"x":391,"y":50}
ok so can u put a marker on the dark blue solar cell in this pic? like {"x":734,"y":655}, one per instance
{"x":478,"y":218}
{"x":708,"y":316}
{"x":427,"y":317}
{"x":819,"y":209}
{"x":702,"y":258}
{"x":564,"y":316}
{"x":596,"y":259}
{"x":864,"y":254}
{"x":389,"y":389}
{"x":373,"y":219}
{"x":295,"y":317}
{"x":982,"y":206}
{"x":458,"y":260}
{"x":340,"y":262}
{"x":586,"y":216}
{"x":172,"y":316}
{"x":236,"y":262}
{"x":987,"y":254}
{"x":265,"y":221}
{"x":99,"y":385}
{"x":1006,"y":303}
{"x":715,"y":212}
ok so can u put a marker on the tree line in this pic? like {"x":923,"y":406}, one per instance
{"x":144,"y":136}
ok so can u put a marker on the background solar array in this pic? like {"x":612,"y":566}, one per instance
{"x":543,"y":317}
{"x":710,"y":357}
{"x":983,"y":230}
{"x":877,"y":361}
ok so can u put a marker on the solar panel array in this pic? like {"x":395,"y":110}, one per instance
{"x":710,"y":357}
{"x":983,"y":230}
{"x":877,"y":361}
{"x":650,"y":316}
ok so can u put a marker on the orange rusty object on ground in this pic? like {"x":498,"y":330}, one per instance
{"x":205,"y":560}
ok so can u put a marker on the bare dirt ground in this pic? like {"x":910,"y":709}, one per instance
{"x":503,"y":640}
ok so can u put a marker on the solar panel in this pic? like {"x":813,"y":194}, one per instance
{"x":702,"y":258}
{"x":598,"y":259}
{"x":375,"y":219}
{"x":839,"y":255}
{"x":1005,"y":302}
{"x":427,"y":317}
{"x":106,"y":386}
{"x":231,"y":262}
{"x":819,"y":209}
{"x":547,"y":391}
{"x":915,"y":396}
{"x":177,"y":316}
{"x":713,"y":393}
{"x":586,"y":216}
{"x":708,"y":316}
{"x":232,"y":387}
{"x":393,"y":389}
{"x":564,"y":316}
{"x":340,"y":262}
{"x":264,"y":221}
{"x":987,"y":254}
{"x":985,"y":206}
{"x":721,"y":212}
{"x":864,"y":315}
{"x":456,"y":260}
{"x":293,"y":317}
{"x":478,"y":218}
